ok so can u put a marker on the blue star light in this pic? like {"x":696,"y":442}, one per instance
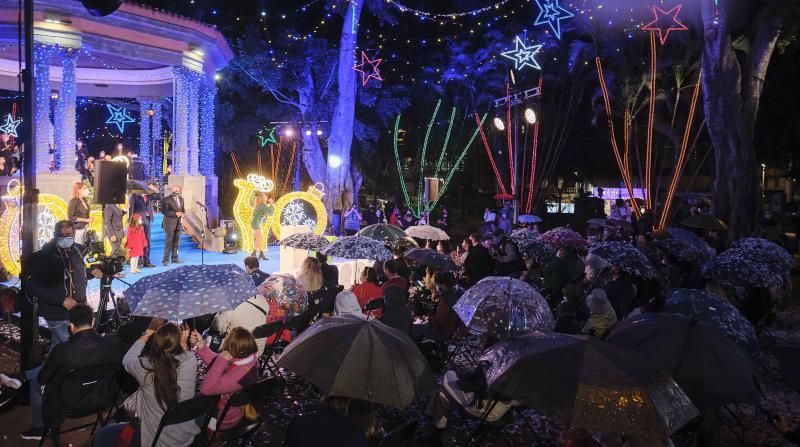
{"x":10,"y":127}
{"x":523,"y":56}
{"x":551,"y":13}
{"x":118,"y":116}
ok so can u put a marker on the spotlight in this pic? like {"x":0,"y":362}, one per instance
{"x":334,"y":161}
{"x":319,"y":133}
{"x":499,"y":124}
{"x":530,"y":116}
{"x":151,"y":112}
{"x":53,"y":94}
{"x":289,"y":132}
{"x":231,"y":239}
{"x":217,"y":76}
{"x":308,"y":133}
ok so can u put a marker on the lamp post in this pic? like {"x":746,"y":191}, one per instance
{"x":763,"y":177}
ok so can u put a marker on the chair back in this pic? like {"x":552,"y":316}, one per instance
{"x":254,"y":394}
{"x":297,"y":323}
{"x":267,"y":330}
{"x":188,"y":410}
{"x":85,"y":391}
{"x":400,"y":436}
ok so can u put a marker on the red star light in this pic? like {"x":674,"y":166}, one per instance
{"x":660,"y":25}
{"x":374,"y":73}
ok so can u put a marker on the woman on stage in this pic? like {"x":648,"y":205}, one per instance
{"x":262,"y":211}
{"x":78,"y":211}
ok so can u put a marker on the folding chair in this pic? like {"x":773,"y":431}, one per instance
{"x":255,"y":394}
{"x":188,"y":410}
{"x":265,"y":359}
{"x":373,"y":304}
{"x":90,"y":380}
{"x":486,"y":428}
{"x":401,"y":436}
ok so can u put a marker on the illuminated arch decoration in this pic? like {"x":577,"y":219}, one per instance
{"x":244,"y":204}
{"x":51,"y":209}
{"x":293,"y":209}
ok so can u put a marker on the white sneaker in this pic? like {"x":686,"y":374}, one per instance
{"x":9,"y":382}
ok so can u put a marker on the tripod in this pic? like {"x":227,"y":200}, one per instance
{"x":103,"y":323}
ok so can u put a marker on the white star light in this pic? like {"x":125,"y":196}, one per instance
{"x":10,"y":127}
{"x":522,"y":55}
{"x":551,"y":14}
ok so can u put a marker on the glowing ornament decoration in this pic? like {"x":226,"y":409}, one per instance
{"x":290,"y":210}
{"x":551,"y":14}
{"x":266,"y":136}
{"x":10,"y":126}
{"x":261,"y":183}
{"x":245,"y":203}
{"x":118,"y":116}
{"x":665,"y":22}
{"x":371,"y":72}
{"x":522,"y":55}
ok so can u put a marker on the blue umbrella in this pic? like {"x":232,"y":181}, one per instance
{"x":713,"y":310}
{"x":190,"y":291}
{"x":688,"y":238}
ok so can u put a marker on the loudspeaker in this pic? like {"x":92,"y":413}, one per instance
{"x":100,"y":8}
{"x":431,"y":189}
{"x":110,"y":181}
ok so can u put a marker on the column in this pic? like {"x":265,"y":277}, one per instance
{"x":194,"y":123}
{"x":145,"y":139}
{"x":41,"y":87}
{"x":64,"y":116}
{"x":208,"y":96}
{"x":180,"y":117}
{"x":158,"y":165}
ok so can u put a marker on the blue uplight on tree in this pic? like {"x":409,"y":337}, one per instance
{"x":10,"y":126}
{"x":118,"y":116}
{"x":551,"y":13}
{"x":523,"y":56}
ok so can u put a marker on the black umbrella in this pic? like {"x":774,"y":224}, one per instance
{"x":738,"y":267}
{"x":709,"y":366}
{"x":360,"y":359}
{"x":431,"y":258}
{"x":586,"y":383}
{"x":383,"y":232}
{"x":681,"y":251}
{"x":688,"y":238}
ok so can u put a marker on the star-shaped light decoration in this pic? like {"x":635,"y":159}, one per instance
{"x":10,"y":126}
{"x":522,"y":55}
{"x":118,"y":116}
{"x":374,"y":72}
{"x":551,"y":13}
{"x":267,"y":136}
{"x":664,"y":22}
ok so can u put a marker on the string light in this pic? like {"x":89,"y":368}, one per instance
{"x":489,"y":153}
{"x":442,"y":16}
{"x":145,"y":138}
{"x":41,"y":83}
{"x":208,"y":95}
{"x":421,"y":179}
{"x":648,"y":164}
{"x":455,"y":166}
{"x":400,"y":168}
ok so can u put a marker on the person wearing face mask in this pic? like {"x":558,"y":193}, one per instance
{"x":173,"y":210}
{"x":78,"y":210}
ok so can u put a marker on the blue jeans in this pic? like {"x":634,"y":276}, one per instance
{"x":59,"y":331}
{"x":108,"y":436}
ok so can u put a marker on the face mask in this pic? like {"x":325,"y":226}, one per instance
{"x":85,"y":193}
{"x":65,"y":242}
{"x":175,"y":194}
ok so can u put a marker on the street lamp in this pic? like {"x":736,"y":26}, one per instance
{"x":499,"y":124}
{"x":763,"y":176}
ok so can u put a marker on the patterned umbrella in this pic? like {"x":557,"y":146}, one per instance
{"x":624,"y":256}
{"x":688,"y":238}
{"x":738,"y":267}
{"x":190,"y":291}
{"x":773,"y":254}
{"x":305,"y":241}
{"x":504,"y":307}
{"x":358,"y":247}
{"x":718,"y":313}
{"x":529,"y":218}
{"x":586,"y":383}
{"x":522,"y":235}
{"x":532,"y":247}
{"x":427,"y":232}
{"x":383,"y":232}
{"x":681,"y":251}
{"x":288,"y":295}
{"x":563,"y":237}
{"x":431,"y":258}
{"x":705,"y":222}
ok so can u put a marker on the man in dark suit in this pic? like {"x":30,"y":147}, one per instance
{"x":142,"y":204}
{"x":85,"y":348}
{"x":113,"y":227}
{"x":173,"y":209}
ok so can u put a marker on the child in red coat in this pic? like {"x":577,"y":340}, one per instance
{"x":135,"y":241}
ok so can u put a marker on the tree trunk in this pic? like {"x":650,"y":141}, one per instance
{"x":312,"y":156}
{"x":358,"y":180}
{"x":338,"y":188}
{"x":730,"y":108}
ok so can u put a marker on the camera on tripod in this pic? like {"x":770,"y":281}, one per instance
{"x":95,"y":249}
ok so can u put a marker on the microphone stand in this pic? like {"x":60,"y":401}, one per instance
{"x":203,"y":233}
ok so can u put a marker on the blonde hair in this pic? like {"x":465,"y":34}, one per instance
{"x":76,"y":190}
{"x":310,"y":275}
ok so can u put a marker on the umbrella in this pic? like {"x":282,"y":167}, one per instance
{"x":563,"y":237}
{"x":716,"y":312}
{"x":739,"y":267}
{"x":773,"y":254}
{"x":406,"y":243}
{"x":624,"y":256}
{"x":504,"y":307}
{"x":523,"y":235}
{"x":598,"y":221}
{"x":427,"y":232}
{"x":586,"y":383}
{"x":383,"y":232}
{"x":190,"y":291}
{"x":357,"y":247}
{"x":360,"y":359}
{"x":688,"y":238}
{"x":537,"y":251}
{"x":705,"y":222}
{"x":529,"y":218}
{"x":286,"y":292}
{"x":681,"y":251}
{"x":708,"y":366}
{"x":305,"y":241}
{"x":431,"y":258}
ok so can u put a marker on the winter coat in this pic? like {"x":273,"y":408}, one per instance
{"x":135,"y":241}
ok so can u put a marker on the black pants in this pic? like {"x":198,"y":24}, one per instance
{"x":146,"y":257}
{"x":172,"y":235}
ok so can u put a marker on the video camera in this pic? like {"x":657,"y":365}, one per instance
{"x":95,"y":249}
